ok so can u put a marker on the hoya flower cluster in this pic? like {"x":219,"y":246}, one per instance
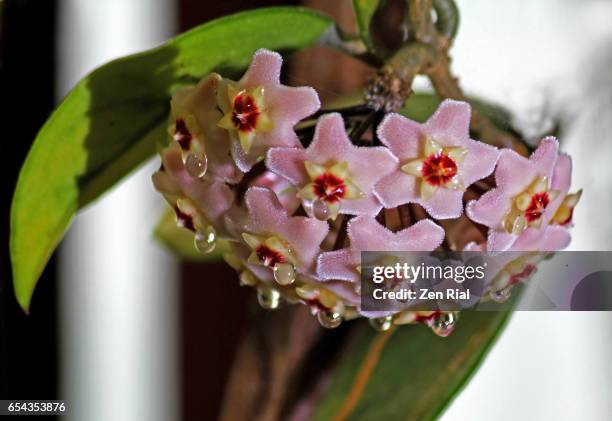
{"x":299,"y":197}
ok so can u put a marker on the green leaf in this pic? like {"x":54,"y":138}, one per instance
{"x":416,"y":375}
{"x":364,"y":10}
{"x":180,"y":241}
{"x":111,"y":121}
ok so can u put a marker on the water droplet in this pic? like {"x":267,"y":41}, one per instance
{"x":268,"y":298}
{"x":206,"y":241}
{"x":320,"y":210}
{"x":196,"y":166}
{"x":501,"y":295}
{"x":329,"y":319}
{"x":382,"y":324}
{"x":284,"y":273}
{"x":444,"y":324}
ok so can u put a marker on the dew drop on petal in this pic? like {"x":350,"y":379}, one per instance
{"x":444,"y":324}
{"x":501,"y":295}
{"x":196,"y":166}
{"x":320,"y":210}
{"x":284,"y":273}
{"x":268,"y":298}
{"x":206,"y":241}
{"x":329,"y":319}
{"x":382,"y":324}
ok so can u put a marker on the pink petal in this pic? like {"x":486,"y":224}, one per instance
{"x":555,"y":238}
{"x":368,"y":205}
{"x":395,"y":189}
{"x":425,"y":235}
{"x":529,"y":240}
{"x":268,"y":216}
{"x":291,"y":104}
{"x":370,"y":164}
{"x":265,"y":210}
{"x":479,"y":162}
{"x":330,"y":140}
{"x":444,"y":204}
{"x":562,"y":174}
{"x":499,"y":240}
{"x":264,"y":69}
{"x":243,"y":161}
{"x":338,"y":265}
{"x":213,"y":198}
{"x":367,"y":234}
{"x":514,"y":172}
{"x":288,"y":163}
{"x":490,"y":209}
{"x":545,"y":156}
{"x":401,"y":135}
{"x":450,"y":122}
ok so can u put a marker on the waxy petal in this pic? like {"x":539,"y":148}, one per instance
{"x":450,"y":122}
{"x":267,"y":216}
{"x":200,"y":102}
{"x":442,"y":142}
{"x":367,"y":234}
{"x":331,"y":145}
{"x":213,"y":198}
{"x":282,"y":108}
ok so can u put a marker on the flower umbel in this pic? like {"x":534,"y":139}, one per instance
{"x":299,"y":200}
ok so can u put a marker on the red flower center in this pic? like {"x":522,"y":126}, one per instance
{"x":329,"y":188}
{"x":536,"y":208}
{"x":268,"y":256}
{"x":184,"y":219}
{"x":438,"y":169}
{"x":182,"y":134}
{"x":245,"y":112}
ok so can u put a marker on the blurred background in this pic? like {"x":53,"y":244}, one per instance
{"x":124,"y":331}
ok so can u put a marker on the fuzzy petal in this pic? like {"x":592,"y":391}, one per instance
{"x":545,"y":156}
{"x":479,"y":162}
{"x":444,"y":204}
{"x":339,"y":265}
{"x":288,"y":163}
{"x":264,"y":69}
{"x":555,"y":238}
{"x":450,"y":122}
{"x":514,"y":172}
{"x":267,"y":216}
{"x":292,"y":104}
{"x":490,"y":209}
{"x":395,"y":189}
{"x":401,"y":135}
{"x":330,"y":147}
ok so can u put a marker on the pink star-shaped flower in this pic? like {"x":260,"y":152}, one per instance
{"x":438,"y":160}
{"x":366,"y":234}
{"x":527,"y":195}
{"x":193,"y":126}
{"x":274,"y":237}
{"x":197,"y":202}
{"x":259,"y":112}
{"x":332,"y":172}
